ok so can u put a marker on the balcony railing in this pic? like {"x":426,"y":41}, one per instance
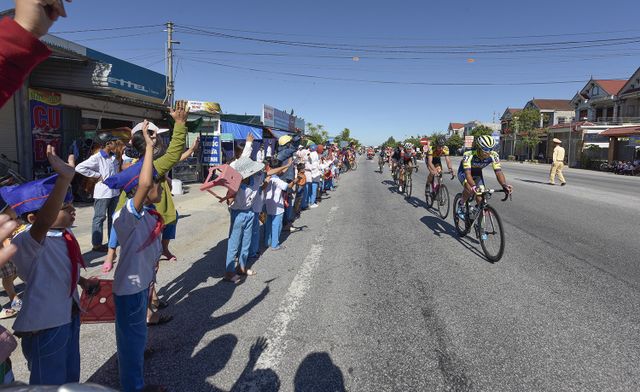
{"x":617,"y":120}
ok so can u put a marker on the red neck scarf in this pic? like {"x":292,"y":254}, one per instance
{"x":157,"y":230}
{"x":75,"y":255}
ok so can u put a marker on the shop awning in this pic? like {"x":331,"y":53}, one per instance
{"x":600,"y":144}
{"x":622,"y":131}
{"x":278,"y":133}
{"x":240,"y":131}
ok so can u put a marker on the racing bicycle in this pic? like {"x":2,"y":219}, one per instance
{"x":485,"y":221}
{"x":438,"y":194}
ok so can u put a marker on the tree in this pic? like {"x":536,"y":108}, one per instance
{"x":481,"y":130}
{"x":317,"y":133}
{"x":527,"y":123}
{"x":455,"y":142}
{"x":391,"y":142}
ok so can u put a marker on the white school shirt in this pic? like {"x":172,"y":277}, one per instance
{"x":273,"y":196}
{"x":136,"y":268}
{"x":314,"y":164}
{"x":46,"y":270}
{"x":244,"y":198}
{"x":100,"y":165}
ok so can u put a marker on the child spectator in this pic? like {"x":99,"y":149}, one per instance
{"x":242,"y":219}
{"x":138,"y":227}
{"x":274,"y":203}
{"x":48,"y":261}
{"x":300,"y":183}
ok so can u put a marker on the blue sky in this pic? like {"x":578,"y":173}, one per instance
{"x":382,"y":34}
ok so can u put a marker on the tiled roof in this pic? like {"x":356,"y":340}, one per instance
{"x":456,"y":125}
{"x":553,"y":104}
{"x":512,"y":110}
{"x":621,"y":131}
{"x":612,"y":86}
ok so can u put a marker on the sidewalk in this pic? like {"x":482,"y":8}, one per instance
{"x":199,"y":212}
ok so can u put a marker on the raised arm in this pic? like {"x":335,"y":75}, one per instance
{"x":178,"y":140}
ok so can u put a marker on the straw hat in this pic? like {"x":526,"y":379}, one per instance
{"x":246,"y":167}
{"x":556,"y":140}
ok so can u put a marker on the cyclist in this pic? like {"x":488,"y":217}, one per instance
{"x":406,"y":163}
{"x":470,"y":170}
{"x":396,"y":157}
{"x":434,"y":159}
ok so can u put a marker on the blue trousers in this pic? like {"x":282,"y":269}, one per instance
{"x":305,"y":197}
{"x":312,"y":190}
{"x":103,"y":209}
{"x":131,"y":338}
{"x":328,"y":184}
{"x":255,"y":236}
{"x":53,"y":355}
{"x":239,"y":238}
{"x":273,"y":227}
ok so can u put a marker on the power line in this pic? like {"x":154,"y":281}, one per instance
{"x":107,"y":29}
{"x":451,"y":84}
{"x":116,"y":36}
{"x":436,"y":49}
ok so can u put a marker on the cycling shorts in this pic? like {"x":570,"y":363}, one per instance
{"x":477,"y":177}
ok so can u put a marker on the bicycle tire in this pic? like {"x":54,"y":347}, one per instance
{"x":428,"y":196}
{"x":456,"y":219}
{"x":442,"y":201}
{"x":496,"y":222}
{"x":408,"y":186}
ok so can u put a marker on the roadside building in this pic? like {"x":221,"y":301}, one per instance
{"x":507,"y":143}
{"x":455,"y":129}
{"x":71,"y":95}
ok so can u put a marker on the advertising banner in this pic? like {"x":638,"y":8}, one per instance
{"x":211,"y":150}
{"x":279,"y":119}
{"x":204,"y":107}
{"x":468,"y":141}
{"x":496,"y":136}
{"x":46,"y":125}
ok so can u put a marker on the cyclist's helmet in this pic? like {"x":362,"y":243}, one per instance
{"x":408,"y":146}
{"x":485,"y":143}
{"x":441,"y":141}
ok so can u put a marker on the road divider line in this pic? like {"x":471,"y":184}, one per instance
{"x":276,"y":334}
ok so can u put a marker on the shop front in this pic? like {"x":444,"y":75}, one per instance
{"x":74,"y":95}
{"x":624,"y":142}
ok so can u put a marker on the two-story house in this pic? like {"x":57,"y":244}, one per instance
{"x":552,"y":111}
{"x":596,"y":101}
{"x":507,"y":145}
{"x":455,"y":129}
{"x":627,"y":109}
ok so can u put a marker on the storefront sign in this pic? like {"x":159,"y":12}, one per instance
{"x":204,"y":107}
{"x":468,"y":141}
{"x":275,"y":118}
{"x":131,"y":78}
{"x":46,"y":124}
{"x":211,"y":150}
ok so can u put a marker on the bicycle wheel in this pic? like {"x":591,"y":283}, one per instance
{"x":491,"y":234}
{"x":462,"y":225}
{"x":442,"y":200}
{"x":408,"y":186}
{"x":428,"y":196}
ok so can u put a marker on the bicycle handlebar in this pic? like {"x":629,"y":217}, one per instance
{"x":492,"y":191}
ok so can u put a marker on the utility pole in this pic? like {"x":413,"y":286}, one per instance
{"x":170,"y":82}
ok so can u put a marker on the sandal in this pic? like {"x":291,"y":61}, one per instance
{"x":248,"y":272}
{"x":8,"y":313}
{"x":169,"y":256}
{"x":161,"y":320}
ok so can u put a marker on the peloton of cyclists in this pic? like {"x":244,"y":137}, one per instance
{"x":434,"y":159}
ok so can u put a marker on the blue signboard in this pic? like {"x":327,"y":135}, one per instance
{"x":132,"y":78}
{"x":211,"y":150}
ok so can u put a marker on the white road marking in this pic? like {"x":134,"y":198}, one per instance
{"x":277,"y":331}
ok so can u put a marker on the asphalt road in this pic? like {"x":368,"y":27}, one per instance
{"x":377,"y":293}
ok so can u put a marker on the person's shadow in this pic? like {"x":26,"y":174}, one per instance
{"x":318,"y":373}
{"x":170,"y":358}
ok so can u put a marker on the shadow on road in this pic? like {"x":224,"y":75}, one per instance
{"x":532,"y":181}
{"x":414,"y":201}
{"x":318,"y":373}
{"x":176,"y":358}
{"x":442,"y":227}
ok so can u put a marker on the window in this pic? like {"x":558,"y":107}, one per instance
{"x":562,"y":120}
{"x":595,"y":91}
